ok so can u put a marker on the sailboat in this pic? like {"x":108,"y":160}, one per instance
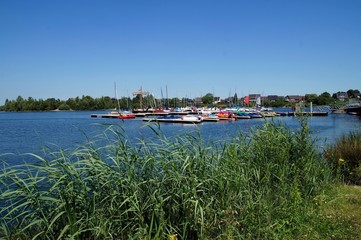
{"x":122,"y":114}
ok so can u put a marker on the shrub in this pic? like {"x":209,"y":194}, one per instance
{"x":64,"y":106}
{"x":345,"y":156}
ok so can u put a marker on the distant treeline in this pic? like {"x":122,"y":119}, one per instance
{"x":89,"y":103}
{"x":83,"y":103}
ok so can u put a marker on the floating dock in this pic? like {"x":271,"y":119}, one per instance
{"x":210,"y":119}
{"x":243,"y":117}
{"x":314,"y":114}
{"x":171,"y":120}
{"x":354,"y":110}
{"x":104,"y":115}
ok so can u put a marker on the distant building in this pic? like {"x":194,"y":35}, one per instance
{"x":198,"y":100}
{"x":264,"y":98}
{"x":216,"y":100}
{"x":342,"y":96}
{"x":188,"y":100}
{"x":228,"y":100}
{"x":253,"y":97}
{"x":272,"y":98}
{"x":294,"y":98}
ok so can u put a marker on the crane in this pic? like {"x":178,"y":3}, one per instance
{"x":140,"y":93}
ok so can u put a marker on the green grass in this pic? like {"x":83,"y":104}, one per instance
{"x":335,"y":215}
{"x":264,"y":185}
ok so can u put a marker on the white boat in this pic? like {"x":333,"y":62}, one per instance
{"x":210,"y":117}
{"x":266,"y":109}
{"x":195,"y":118}
{"x":175,"y":119}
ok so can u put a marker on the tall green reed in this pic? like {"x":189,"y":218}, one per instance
{"x":345,"y":157}
{"x":255,"y":186}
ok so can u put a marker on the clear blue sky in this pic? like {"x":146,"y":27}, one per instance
{"x":71,"y":48}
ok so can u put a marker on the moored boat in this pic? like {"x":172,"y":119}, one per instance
{"x":243,"y":116}
{"x":126,"y":115}
{"x":225,"y":115}
{"x":210,"y":117}
{"x":175,"y":119}
{"x":255,"y":115}
{"x":112,"y":114}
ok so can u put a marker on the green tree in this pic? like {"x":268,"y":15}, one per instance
{"x":208,"y":98}
{"x":64,"y":106}
{"x":52,"y":103}
{"x":87,"y":103}
{"x":126,"y":103}
{"x":311,"y":97}
{"x":280,"y":102}
{"x":324,"y":99}
{"x":352,"y":93}
{"x":136,"y":101}
{"x":9,"y":105}
{"x":19,"y":104}
{"x":149,"y":101}
{"x":325,"y":95}
{"x":235,"y":99}
{"x":175,"y":102}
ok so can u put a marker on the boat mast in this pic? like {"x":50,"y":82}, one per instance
{"x":166,"y":95}
{"x":163,"y":100}
{"x":116,"y":95}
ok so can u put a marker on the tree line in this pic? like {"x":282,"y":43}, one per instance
{"x":89,"y":103}
{"x":50,"y":104}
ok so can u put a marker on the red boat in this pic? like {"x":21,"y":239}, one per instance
{"x":126,"y":116}
{"x":224,"y":115}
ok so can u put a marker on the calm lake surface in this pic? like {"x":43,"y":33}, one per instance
{"x":29,"y":132}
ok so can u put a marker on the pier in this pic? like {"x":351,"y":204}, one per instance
{"x":106,"y":115}
{"x":315,"y":114}
{"x":355,"y":110}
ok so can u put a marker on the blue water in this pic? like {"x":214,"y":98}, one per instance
{"x":30,"y":132}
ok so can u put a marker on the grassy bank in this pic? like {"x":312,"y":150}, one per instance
{"x":270,"y":184}
{"x":337,"y":214}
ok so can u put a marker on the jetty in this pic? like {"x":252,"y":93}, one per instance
{"x":106,"y":115}
{"x":354,"y":109}
{"x":315,"y":114}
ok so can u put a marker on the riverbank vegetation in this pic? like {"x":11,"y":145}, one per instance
{"x":269,"y":184}
{"x":345,"y":155}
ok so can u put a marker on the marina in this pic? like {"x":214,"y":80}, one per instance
{"x":198,"y":117}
